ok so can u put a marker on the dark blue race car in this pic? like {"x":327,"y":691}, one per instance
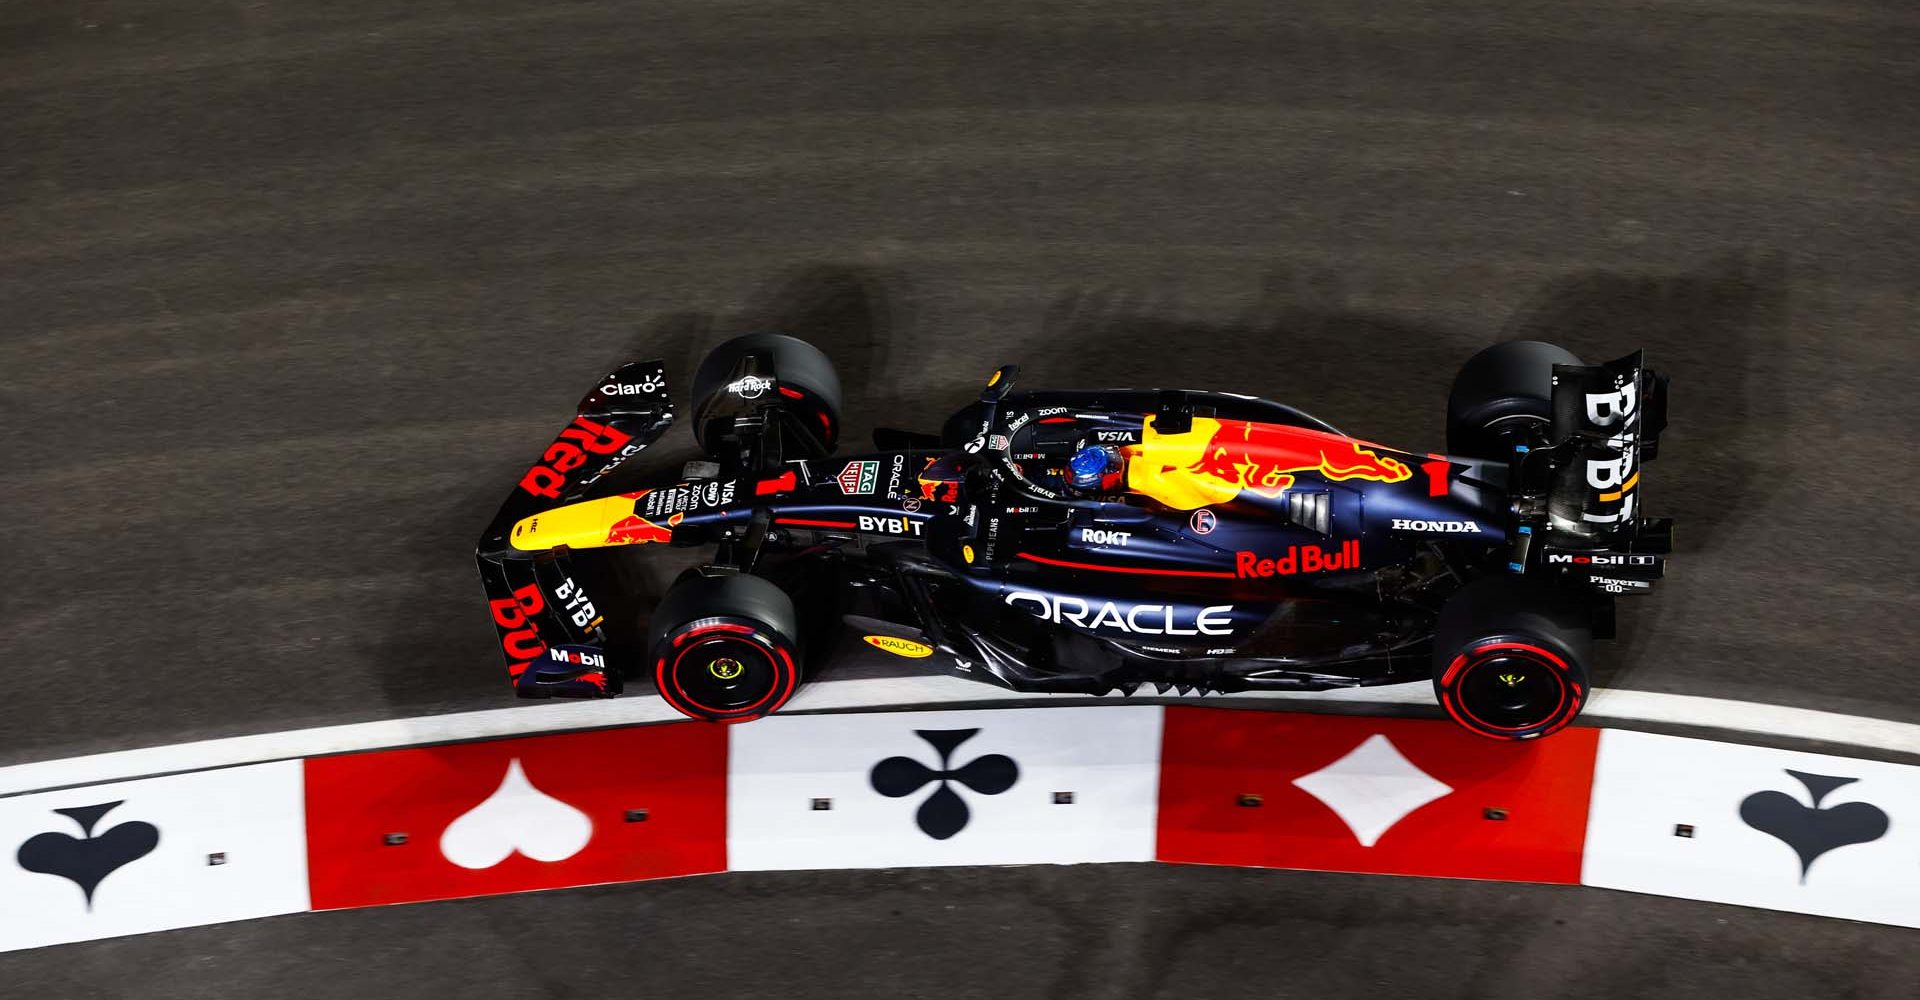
{"x":1092,"y":541}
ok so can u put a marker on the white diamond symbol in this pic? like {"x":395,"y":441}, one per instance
{"x":1372,"y":788}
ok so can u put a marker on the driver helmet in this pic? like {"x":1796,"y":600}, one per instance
{"x":1094,"y":467}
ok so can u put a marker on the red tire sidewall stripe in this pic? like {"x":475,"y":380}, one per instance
{"x":1570,"y":693}
{"x":669,"y":686}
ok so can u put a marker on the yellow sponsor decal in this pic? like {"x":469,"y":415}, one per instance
{"x":901,"y":647}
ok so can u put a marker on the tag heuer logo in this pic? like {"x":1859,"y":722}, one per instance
{"x":859,"y":477}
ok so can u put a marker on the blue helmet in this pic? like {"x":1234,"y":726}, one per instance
{"x":1088,"y":467}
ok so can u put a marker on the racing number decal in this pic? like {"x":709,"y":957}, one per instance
{"x":519,"y":637}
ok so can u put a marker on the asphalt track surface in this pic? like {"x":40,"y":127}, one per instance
{"x":290,"y":294}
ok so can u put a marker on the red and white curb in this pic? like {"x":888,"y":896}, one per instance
{"x":853,"y":691}
{"x":1680,"y":817}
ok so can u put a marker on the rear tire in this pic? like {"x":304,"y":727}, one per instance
{"x":1503,"y":396}
{"x":725,"y":648}
{"x":799,"y":367}
{"x":1510,"y":659}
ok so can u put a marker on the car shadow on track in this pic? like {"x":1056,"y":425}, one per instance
{"x":1721,"y":333}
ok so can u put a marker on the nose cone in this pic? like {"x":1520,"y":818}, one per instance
{"x":586,"y":525}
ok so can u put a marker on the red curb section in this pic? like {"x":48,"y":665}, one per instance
{"x":1430,"y":798}
{"x":618,"y":805}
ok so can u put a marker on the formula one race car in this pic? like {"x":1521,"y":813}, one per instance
{"x":1094,"y":541}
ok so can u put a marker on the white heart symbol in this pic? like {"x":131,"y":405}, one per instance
{"x":516,"y":817}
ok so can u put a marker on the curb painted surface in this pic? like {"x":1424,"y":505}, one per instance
{"x":865,"y":693}
{"x":1691,"y":818}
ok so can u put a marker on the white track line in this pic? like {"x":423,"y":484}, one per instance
{"x":885,"y":692}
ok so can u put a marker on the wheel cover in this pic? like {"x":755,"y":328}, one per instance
{"x":729,"y":672}
{"x":1511,"y":690}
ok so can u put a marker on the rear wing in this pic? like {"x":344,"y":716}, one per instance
{"x":550,"y":630}
{"x":1579,"y":498}
{"x":1611,"y":416}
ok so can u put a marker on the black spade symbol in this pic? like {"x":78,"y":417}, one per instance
{"x":944,"y":813}
{"x":1810,"y":830}
{"x":86,"y":861}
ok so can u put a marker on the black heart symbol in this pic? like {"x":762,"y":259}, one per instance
{"x":86,"y":861}
{"x":1810,"y":830}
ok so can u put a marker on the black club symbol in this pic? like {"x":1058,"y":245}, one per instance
{"x":944,"y":813}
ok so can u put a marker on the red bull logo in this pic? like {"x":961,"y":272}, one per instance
{"x":637,"y":530}
{"x":1217,"y":459}
{"x":1299,"y":559}
{"x":568,"y":452}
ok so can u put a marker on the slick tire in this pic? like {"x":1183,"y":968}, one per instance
{"x":1503,"y":396}
{"x":810,"y":388}
{"x":1510,"y":659}
{"x":725,"y":648}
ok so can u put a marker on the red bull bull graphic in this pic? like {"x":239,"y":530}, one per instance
{"x":637,"y":530}
{"x":1217,"y":459}
{"x":591,"y":524}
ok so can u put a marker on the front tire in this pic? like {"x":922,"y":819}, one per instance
{"x":1510,"y":659}
{"x":809,"y":386}
{"x":725,"y":648}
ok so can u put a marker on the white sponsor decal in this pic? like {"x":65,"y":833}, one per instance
{"x":750,"y":387}
{"x":889,"y":525}
{"x":575,"y":603}
{"x":1604,"y":409}
{"x":1614,"y":478}
{"x":1095,"y":536}
{"x":1135,"y":619}
{"x":687,"y":497}
{"x":1600,"y":559}
{"x":1113,"y":436}
{"x":577,"y":658}
{"x":1403,"y":524}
